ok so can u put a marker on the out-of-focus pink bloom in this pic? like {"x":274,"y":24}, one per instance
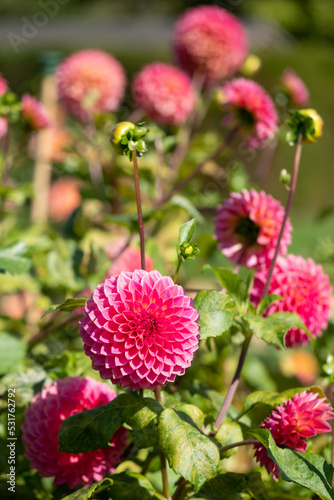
{"x":64,"y":198}
{"x":210,"y":42}
{"x":299,"y":418}
{"x":295,"y":88}
{"x":140,"y":330}
{"x":250,"y":109}
{"x":3,"y":85}
{"x":89,"y":82}
{"x":35,"y":113}
{"x":3,"y":126}
{"x":165,"y":93}
{"x":43,"y":419}
{"x":247,"y":227}
{"x":129,"y":260}
{"x":306,"y":291}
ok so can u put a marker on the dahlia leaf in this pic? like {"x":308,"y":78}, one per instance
{"x":131,"y":486}
{"x":183,"y":202}
{"x":12,"y":258}
{"x":142,"y":412}
{"x":87,"y":491}
{"x":273,"y":328}
{"x":233,"y":284}
{"x":293,"y":320}
{"x":192,"y":411}
{"x":186,"y":232}
{"x":146,"y":437}
{"x":267,"y":302}
{"x":229,"y":433}
{"x":216,"y":312}
{"x":274,"y":399}
{"x":69,"y":305}
{"x":93,"y":429}
{"x":231,"y":483}
{"x":308,"y":470}
{"x":189,"y":452}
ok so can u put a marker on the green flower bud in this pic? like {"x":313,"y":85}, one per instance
{"x":119,"y":137}
{"x":127,"y":138}
{"x":285,"y":178}
{"x":188,"y":251}
{"x":306,"y":122}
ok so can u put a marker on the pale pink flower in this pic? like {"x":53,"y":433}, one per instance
{"x":247,"y":226}
{"x":165,"y":93}
{"x":250,"y":109}
{"x":43,"y":419}
{"x":129,"y":260}
{"x":299,"y":418}
{"x":90,"y":81}
{"x":306,"y":291}
{"x":210,"y":42}
{"x":295,"y":88}
{"x":35,"y":113}
{"x":140,"y":330}
{"x":3,"y":126}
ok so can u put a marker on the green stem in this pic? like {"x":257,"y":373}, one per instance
{"x":179,"y":263}
{"x":139,"y":210}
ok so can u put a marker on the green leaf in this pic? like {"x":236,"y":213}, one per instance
{"x":216,"y":312}
{"x":69,"y":305}
{"x":273,"y":328}
{"x":189,"y":452}
{"x":267,"y":302}
{"x":192,"y":411}
{"x":274,"y":399}
{"x":87,"y":491}
{"x":12,"y":352}
{"x":307,"y":470}
{"x":229,"y":433}
{"x":231,"y":483}
{"x":233,"y":284}
{"x":293,"y":320}
{"x":12,"y":258}
{"x":183,"y":202}
{"x":93,"y":429}
{"x":146,"y":437}
{"x":132,"y":486}
{"x":186,"y":232}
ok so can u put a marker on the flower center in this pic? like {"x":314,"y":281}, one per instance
{"x":143,"y":327}
{"x":247,"y":230}
{"x":246,"y":118}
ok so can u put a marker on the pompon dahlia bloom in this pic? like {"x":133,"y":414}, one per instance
{"x":43,"y":419}
{"x":140,"y":330}
{"x":249,"y":108}
{"x":295,"y":88}
{"x":35,"y":113}
{"x":90,"y":81}
{"x":299,"y":418}
{"x":165,"y":93}
{"x":211,"y":42}
{"x":247,"y":226}
{"x":129,"y":260}
{"x":305,"y":289}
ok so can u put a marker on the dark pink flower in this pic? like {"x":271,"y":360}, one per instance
{"x":3,"y":85}
{"x":165,"y":93}
{"x":211,"y":42}
{"x":299,"y":418}
{"x":42,"y":422}
{"x":295,"y":88}
{"x":250,"y":109}
{"x":90,"y":81}
{"x":140,"y":330}
{"x":129,"y":260}
{"x":247,"y":226}
{"x":35,"y":113}
{"x":306,"y":291}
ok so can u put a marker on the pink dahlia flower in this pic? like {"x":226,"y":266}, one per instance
{"x":295,"y":88}
{"x":305,"y":289}
{"x":43,"y":419}
{"x":211,"y":42}
{"x":140,"y":330}
{"x":247,"y":226}
{"x":250,"y":109}
{"x":299,"y":418}
{"x":165,"y":93}
{"x":90,"y":81}
{"x":35,"y":113}
{"x":129,"y":260}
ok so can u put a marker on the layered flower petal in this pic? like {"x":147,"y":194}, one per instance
{"x":140,"y":330}
{"x":43,"y":419}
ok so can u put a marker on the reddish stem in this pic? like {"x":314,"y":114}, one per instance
{"x":139,"y":211}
